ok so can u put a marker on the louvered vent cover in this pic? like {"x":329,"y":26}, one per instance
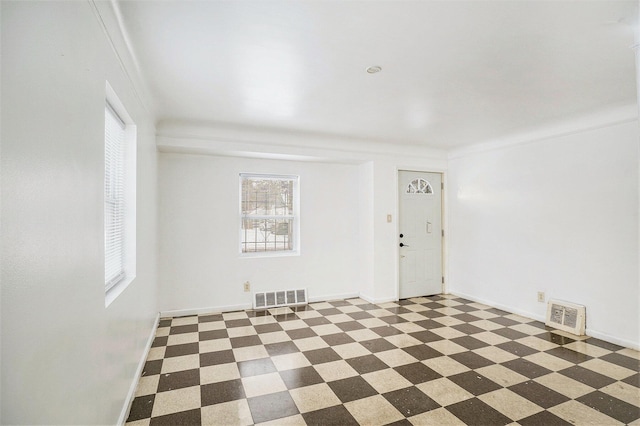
{"x":566,"y":316}
{"x":272,"y":299}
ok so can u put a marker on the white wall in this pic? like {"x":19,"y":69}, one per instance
{"x":200,"y":266}
{"x":559,"y":215}
{"x":66,"y":359}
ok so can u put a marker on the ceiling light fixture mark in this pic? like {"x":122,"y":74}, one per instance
{"x":374,"y":69}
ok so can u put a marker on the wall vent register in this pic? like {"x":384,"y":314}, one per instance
{"x":566,"y":316}
{"x":274,"y":299}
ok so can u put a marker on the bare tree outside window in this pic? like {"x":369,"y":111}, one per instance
{"x":268,"y":212}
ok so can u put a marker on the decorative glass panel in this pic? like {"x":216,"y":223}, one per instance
{"x":419,"y":186}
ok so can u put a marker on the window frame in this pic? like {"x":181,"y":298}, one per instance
{"x":129,"y":182}
{"x":295,"y":216}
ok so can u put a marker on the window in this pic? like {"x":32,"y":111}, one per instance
{"x":119,"y":197}
{"x":419,"y":186}
{"x":113,"y":197}
{"x":269,"y":214}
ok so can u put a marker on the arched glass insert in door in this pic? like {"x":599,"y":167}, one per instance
{"x":419,"y":186}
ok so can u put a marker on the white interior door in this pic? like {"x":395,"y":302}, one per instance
{"x":420,"y":239}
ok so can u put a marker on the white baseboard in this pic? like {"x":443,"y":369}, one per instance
{"x":377,"y":301}
{"x":209,"y":310}
{"x":589,"y":332}
{"x":136,"y":378}
{"x":332,"y":297}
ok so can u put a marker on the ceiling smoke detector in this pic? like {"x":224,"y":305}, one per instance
{"x":374,"y":69}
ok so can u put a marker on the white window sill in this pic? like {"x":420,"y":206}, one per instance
{"x":260,"y":254}
{"x":116,"y":290}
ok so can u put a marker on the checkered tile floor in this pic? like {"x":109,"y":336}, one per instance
{"x":432,"y":360}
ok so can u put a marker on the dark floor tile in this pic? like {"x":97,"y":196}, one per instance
{"x":586,"y":376}
{"x":337,"y":339}
{"x":399,"y":310}
{"x":368,"y":306}
{"x":417,"y":373}
{"x":463,"y":301}
{"x":554,"y":338}
{"x":471,"y":360}
{"x":210,"y":318}
{"x":216,"y":393}
{"x":526,"y":368}
{"x":474,"y":382}
{"x":286,"y":317}
{"x":410,"y":401}
{"x":179,"y":380}
{"x":267,"y":328}
{"x":213,"y":334}
{"x":473,"y":411}
{"x":538,"y":394}
{"x":385,"y":331}
{"x":160,"y":341}
{"x":338,"y":303}
{"x":467,"y":328}
{"x":152,"y":367}
{"x":429,"y":324}
{"x":543,"y":418}
{"x":393,"y":319}
{"x":301,"y":333}
{"x":633,"y":380}
{"x":465,"y":317}
{"x":426,"y":336}
{"x":498,"y":311}
{"x":509,"y":333}
{"x":320,"y":356}
{"x":258,"y":314}
{"x":405,"y":302}
{"x":256,"y":367}
{"x":433,"y":314}
{"x":181,"y":350}
{"x":366,"y":364}
{"x":612,"y":407}
{"x":360,"y":315}
{"x":141,"y":408}
{"x":299,"y":377}
{"x":351,"y":389}
{"x":272,"y":406}
{"x":403,"y":422}
{"x":378,"y":345}
{"x":181,"y":329}
{"x":244,"y":322}
{"x":182,"y":418}
{"x":516,"y":348}
{"x":350,"y":326}
{"x":215,"y":358}
{"x":244,"y":341}
{"x":421,"y":352}
{"x":569,"y":355}
{"x":623,"y":361}
{"x":165,"y":322}
{"x":507,"y":322}
{"x":301,"y":308}
{"x":311,"y":322}
{"x":469,"y":342}
{"x":332,"y":416}
{"x":281,"y":348}
{"x":329,"y":311}
{"x":434,"y":305}
{"x":602,"y":344}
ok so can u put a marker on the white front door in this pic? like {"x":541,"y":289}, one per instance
{"x":420,"y":228}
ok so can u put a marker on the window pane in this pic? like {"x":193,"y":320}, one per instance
{"x":267,"y":197}
{"x":267,"y":235}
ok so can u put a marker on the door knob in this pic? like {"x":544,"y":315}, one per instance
{"x":401,"y":235}
{"x":403,"y":245}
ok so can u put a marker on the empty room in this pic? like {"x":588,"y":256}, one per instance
{"x":309,"y":212}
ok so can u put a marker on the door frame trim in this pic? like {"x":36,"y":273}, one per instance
{"x":445,"y":225}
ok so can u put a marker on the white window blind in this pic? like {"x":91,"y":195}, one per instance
{"x":113,"y":198}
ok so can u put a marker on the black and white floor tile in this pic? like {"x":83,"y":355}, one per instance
{"x":430,"y":360}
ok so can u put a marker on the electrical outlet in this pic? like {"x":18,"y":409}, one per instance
{"x":247,"y":286}
{"x":541,"y":296}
